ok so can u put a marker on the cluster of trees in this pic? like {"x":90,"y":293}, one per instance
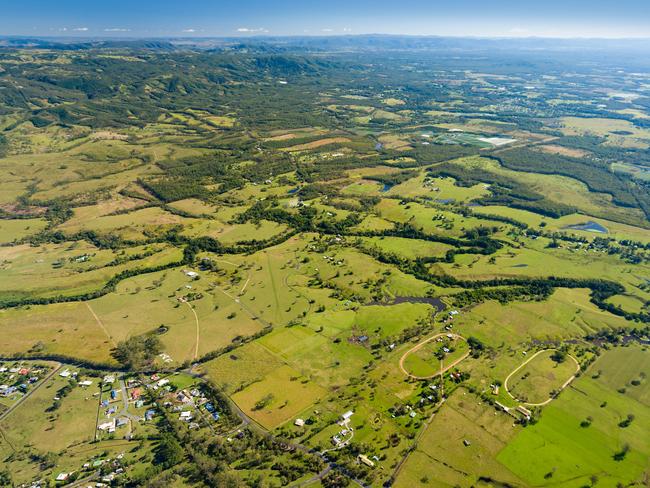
{"x":138,"y":352}
{"x":595,"y":174}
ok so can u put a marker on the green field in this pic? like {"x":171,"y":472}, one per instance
{"x":279,"y":248}
{"x":559,"y":445}
{"x":537,"y":380}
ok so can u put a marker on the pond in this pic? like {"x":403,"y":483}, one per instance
{"x":590,"y":226}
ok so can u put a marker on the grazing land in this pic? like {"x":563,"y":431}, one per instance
{"x":315,"y":262}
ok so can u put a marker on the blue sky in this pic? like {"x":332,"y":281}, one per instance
{"x":204,"y":18}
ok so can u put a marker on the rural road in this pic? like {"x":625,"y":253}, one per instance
{"x":30,"y":392}
{"x":198,"y":330}
{"x":566,"y":383}
{"x":421,"y":344}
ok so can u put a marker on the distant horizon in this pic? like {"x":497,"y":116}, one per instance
{"x":555,"y":19}
{"x":86,"y":36}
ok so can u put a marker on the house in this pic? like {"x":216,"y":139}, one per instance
{"x":64,"y":374}
{"x":346,"y":416}
{"x":109,"y":426}
{"x":148,"y":415}
{"x":85,"y":383}
{"x":135,"y":393}
{"x":192,"y":274}
{"x":299,"y":423}
{"x":186,"y":416}
{"x":109,"y":379}
{"x":113,"y":394}
{"x":162,"y":382}
{"x":62,"y":476}
{"x":23,"y":371}
{"x":122,"y":421}
{"x":365,"y":460}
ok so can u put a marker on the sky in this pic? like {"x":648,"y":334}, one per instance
{"x":219,"y":18}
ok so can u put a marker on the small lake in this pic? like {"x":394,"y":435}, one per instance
{"x":386,"y":187}
{"x":445,"y":201}
{"x":590,"y":226}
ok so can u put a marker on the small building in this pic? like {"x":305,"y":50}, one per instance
{"x":466,"y":443}
{"x":524,"y":411}
{"x":85,"y":383}
{"x":109,"y":379}
{"x":365,"y":460}
{"x":107,"y":426}
{"x":64,"y":374}
{"x":299,"y":423}
{"x":62,"y":476}
{"x":346,"y":416}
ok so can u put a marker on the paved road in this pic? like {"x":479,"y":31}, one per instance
{"x":30,"y":392}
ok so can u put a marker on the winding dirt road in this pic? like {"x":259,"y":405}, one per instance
{"x":566,"y":383}
{"x":421,"y":344}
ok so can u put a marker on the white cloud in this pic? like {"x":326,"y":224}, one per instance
{"x":248,"y":30}
{"x":80,"y":29}
{"x":327,"y":30}
{"x":189,"y":30}
{"x":518,"y":31}
{"x":63,"y":29}
{"x":117,"y":29}
{"x":347,"y":29}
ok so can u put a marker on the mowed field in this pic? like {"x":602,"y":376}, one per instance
{"x":559,"y":451}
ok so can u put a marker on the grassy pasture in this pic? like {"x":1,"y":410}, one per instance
{"x":559,"y":450}
{"x":233,"y":233}
{"x":567,"y":313}
{"x":16,"y":229}
{"x":563,"y":190}
{"x":57,"y":269}
{"x":607,"y":128}
{"x":537,"y":379}
{"x":142,"y":303}
{"x":130,"y":225}
{"x":408,"y":248}
{"x":423,"y":361}
{"x":290,"y":393}
{"x":616,"y":230}
{"x":443,"y":459}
